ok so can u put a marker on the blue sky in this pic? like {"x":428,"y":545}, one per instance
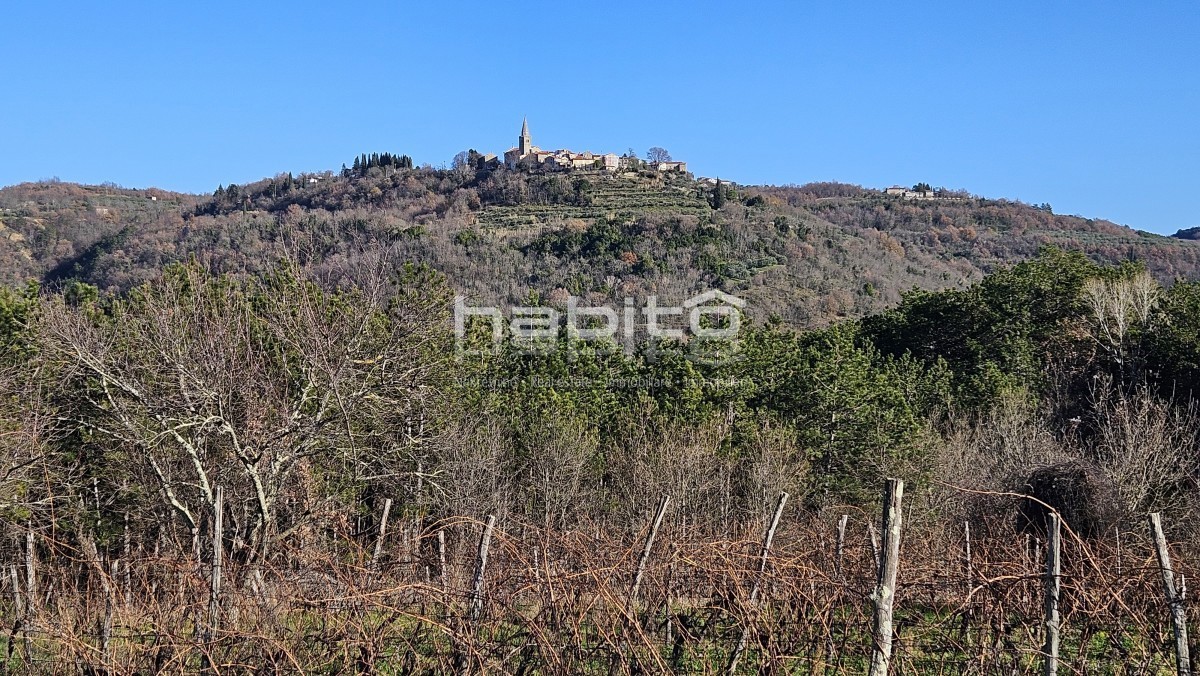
{"x":1092,"y":107}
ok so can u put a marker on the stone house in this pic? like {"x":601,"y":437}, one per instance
{"x":529,"y":156}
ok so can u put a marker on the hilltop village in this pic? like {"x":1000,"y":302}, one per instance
{"x":527,"y":156}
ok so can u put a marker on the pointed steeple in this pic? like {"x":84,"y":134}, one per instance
{"x":525,"y":143}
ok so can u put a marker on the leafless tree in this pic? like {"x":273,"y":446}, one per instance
{"x":29,"y":425}
{"x":203,"y":382}
{"x":1116,"y":308}
{"x":657,"y":154}
{"x":1147,"y":445}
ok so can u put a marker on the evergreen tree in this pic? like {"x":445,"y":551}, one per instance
{"x":718,"y":199}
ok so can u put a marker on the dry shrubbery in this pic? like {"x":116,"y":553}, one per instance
{"x":1148,"y":446}
{"x":555,"y":601}
{"x":1135,"y":454}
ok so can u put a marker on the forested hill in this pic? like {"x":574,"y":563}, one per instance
{"x":806,"y":254}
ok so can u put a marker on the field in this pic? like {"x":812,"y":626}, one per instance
{"x":562,"y":602}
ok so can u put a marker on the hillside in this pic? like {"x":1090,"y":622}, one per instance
{"x":319,"y":437}
{"x":807,"y":254}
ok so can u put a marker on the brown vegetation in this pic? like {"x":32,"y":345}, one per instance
{"x":557,"y":601}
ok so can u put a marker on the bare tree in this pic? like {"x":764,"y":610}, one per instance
{"x":29,"y":424}
{"x":203,"y":381}
{"x":678,"y":460}
{"x":559,"y":449}
{"x":657,"y":154}
{"x":1116,"y":308}
{"x":773,"y":464}
{"x":1147,"y":445}
{"x":472,"y":476}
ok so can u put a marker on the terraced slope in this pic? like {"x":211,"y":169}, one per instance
{"x":607,"y":196}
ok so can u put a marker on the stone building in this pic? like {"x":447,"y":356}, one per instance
{"x":898,"y":191}
{"x":670,"y":166}
{"x":526,"y":155}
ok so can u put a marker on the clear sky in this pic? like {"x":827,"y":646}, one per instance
{"x":1092,"y":107}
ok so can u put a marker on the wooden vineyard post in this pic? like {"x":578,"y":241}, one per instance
{"x":387,"y":508}
{"x":1183,"y":664}
{"x":214,"y":583}
{"x":22,"y":620}
{"x":214,"y":598}
{"x":28,"y":619}
{"x":108,"y":580}
{"x":967,"y":555}
{"x":441,"y":543}
{"x":30,"y":572}
{"x":1053,"y":588}
{"x":126,"y":581}
{"x":461,"y":648}
{"x":481,"y":558}
{"x":645,"y":557}
{"x":768,"y":537}
{"x":18,"y":606}
{"x":889,"y":565}
{"x":841,"y":541}
{"x":627,"y":615}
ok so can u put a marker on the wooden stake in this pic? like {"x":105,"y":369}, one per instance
{"x":31,"y":600}
{"x":214,"y":591}
{"x":485,"y":542}
{"x":387,"y":508}
{"x":641,"y":567}
{"x":109,"y":578}
{"x":1053,"y":588}
{"x":126,"y":581}
{"x":618,"y":657}
{"x":18,"y":606}
{"x":441,"y":537}
{"x":1183,"y":664}
{"x":841,"y":540}
{"x":22,"y":619}
{"x":30,"y":573}
{"x":768,"y":537}
{"x":885,"y":591}
{"x":967,"y":554}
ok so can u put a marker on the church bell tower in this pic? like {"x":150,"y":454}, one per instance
{"x":525,"y":144}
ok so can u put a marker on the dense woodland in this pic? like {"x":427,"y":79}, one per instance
{"x":282,"y":354}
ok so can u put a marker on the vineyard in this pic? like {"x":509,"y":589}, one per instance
{"x":607,"y":196}
{"x":460,"y":595}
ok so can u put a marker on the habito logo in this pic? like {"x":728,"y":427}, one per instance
{"x":710,"y":320}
